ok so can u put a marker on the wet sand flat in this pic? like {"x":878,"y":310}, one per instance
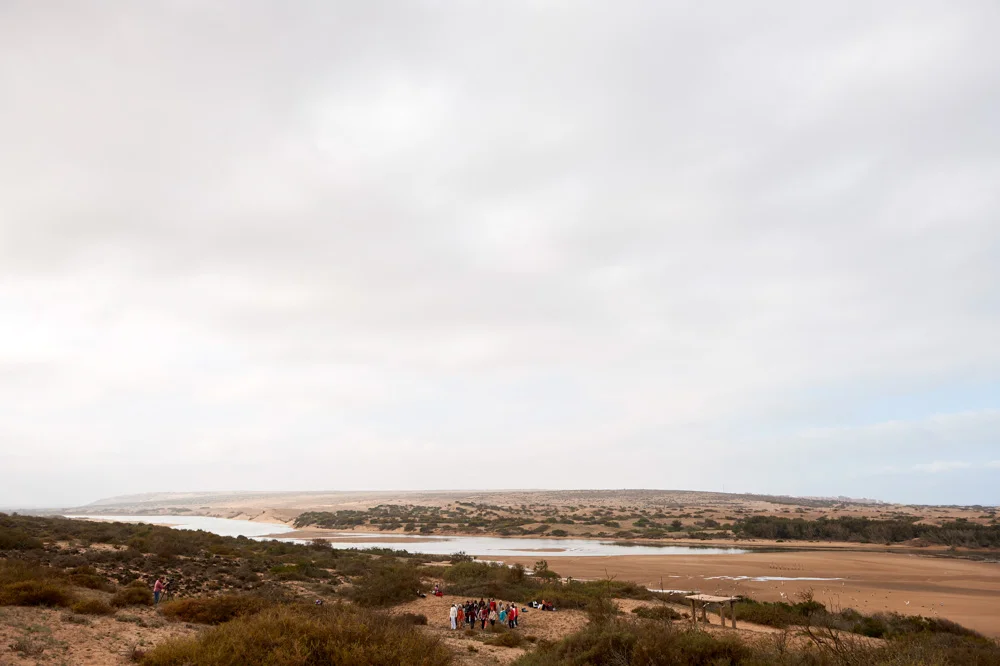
{"x":960,"y":590}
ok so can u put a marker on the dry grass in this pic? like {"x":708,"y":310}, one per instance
{"x":92,"y":607}
{"x":213,"y":610}
{"x":300,"y":635}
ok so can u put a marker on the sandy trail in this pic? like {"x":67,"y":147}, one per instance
{"x":960,"y":590}
{"x":550,"y":626}
{"x":101,"y":641}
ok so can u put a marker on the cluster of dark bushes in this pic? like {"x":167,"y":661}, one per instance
{"x":811,"y":613}
{"x":387,"y":583}
{"x":646,"y":643}
{"x":661,"y":613}
{"x":866,"y":530}
{"x":424,"y":519}
{"x":30,"y":584}
{"x":214,"y":610}
{"x":657,"y":525}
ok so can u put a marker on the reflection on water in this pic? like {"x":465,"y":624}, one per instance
{"x":481,"y":546}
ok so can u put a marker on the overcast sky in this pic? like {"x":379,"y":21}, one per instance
{"x":386,"y":245}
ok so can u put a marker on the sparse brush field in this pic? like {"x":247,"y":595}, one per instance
{"x":77,"y":592}
{"x":635,"y":522}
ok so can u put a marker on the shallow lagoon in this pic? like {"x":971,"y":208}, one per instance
{"x":481,"y":546}
{"x":220,"y":526}
{"x":515,"y":546}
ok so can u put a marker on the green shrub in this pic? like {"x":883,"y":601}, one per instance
{"x":133,"y":595}
{"x":506,"y":638}
{"x":645,"y":644}
{"x":656,"y":644}
{"x":88,"y":577}
{"x":92,"y":607}
{"x":213,"y":610}
{"x":662,"y":613}
{"x":335,"y":635}
{"x":17,"y":539}
{"x":387,"y":584}
{"x":413,"y":619}
{"x":694,"y":648}
{"x":35,"y":593}
{"x":541,"y":570}
{"x":770,"y":614}
{"x":14,"y":571}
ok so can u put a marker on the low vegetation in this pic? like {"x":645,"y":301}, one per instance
{"x":661,"y":613}
{"x":214,"y":610}
{"x":27,"y":584}
{"x":650,"y":523}
{"x":497,"y":581}
{"x":257,"y":597}
{"x":338,"y":635}
{"x":59,"y":555}
{"x":132,"y":595}
{"x":810,"y":613}
{"x":93,"y":607}
{"x":386,"y":584}
{"x":645,"y":643}
{"x":865,"y":530}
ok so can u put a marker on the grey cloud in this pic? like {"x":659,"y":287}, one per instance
{"x":330,"y":219}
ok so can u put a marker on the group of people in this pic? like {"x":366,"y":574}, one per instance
{"x":483,"y":611}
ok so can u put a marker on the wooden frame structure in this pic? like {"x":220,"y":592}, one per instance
{"x":703,"y":600}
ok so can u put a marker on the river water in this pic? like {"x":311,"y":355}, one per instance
{"x":220,"y":526}
{"x":480,"y":546}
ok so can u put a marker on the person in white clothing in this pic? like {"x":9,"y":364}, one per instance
{"x":453,"y":614}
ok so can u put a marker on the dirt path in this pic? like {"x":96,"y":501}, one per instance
{"x":533,"y":623}
{"x":44,"y":636}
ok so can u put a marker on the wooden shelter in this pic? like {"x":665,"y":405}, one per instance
{"x":702,"y":601}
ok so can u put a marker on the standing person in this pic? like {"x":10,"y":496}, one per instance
{"x":460,"y":614}
{"x":493,"y":618}
{"x":453,"y":616}
{"x":517,"y":616}
{"x":157,"y":590}
{"x":483,"y":616}
{"x":503,"y":614}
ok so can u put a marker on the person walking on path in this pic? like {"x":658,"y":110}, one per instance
{"x":157,"y":590}
{"x":453,"y":615}
{"x":493,"y":618}
{"x":483,"y":616}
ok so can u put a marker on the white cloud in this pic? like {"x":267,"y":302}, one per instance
{"x":302,"y":231}
{"x":941,"y":466}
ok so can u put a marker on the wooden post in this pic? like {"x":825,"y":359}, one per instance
{"x":694,"y":614}
{"x":722,"y":615}
{"x":704,"y":613}
{"x":732,"y":612}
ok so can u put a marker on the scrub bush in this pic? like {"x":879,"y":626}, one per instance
{"x":334,"y":635}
